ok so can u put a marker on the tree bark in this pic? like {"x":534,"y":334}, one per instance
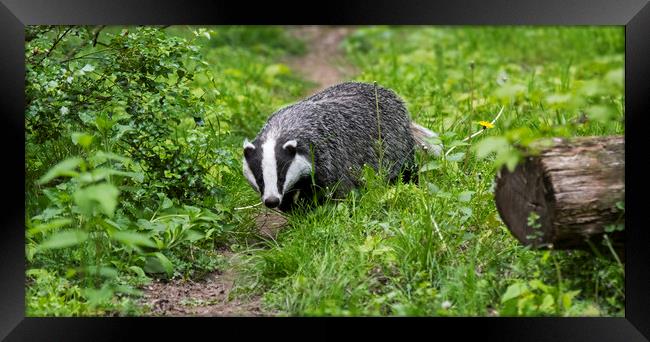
{"x":573,"y":187}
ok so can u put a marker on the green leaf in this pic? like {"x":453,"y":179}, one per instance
{"x":600,"y":113}
{"x":192,"y":235}
{"x":137,"y":270}
{"x":433,"y":188}
{"x":167,"y":203}
{"x":158,"y":263}
{"x":592,"y":88}
{"x":87,"y":68}
{"x":466,"y":196}
{"x":98,"y":296}
{"x":104,"y":271}
{"x":48,"y":226}
{"x":48,"y":214}
{"x":616,"y":77}
{"x":538,"y":284}
{"x":101,"y":157}
{"x":510,"y":90}
{"x":104,"y":173}
{"x":456,"y":156}
{"x":131,"y":238}
{"x":467,"y":212}
{"x":567,"y":297}
{"x":620,"y":205}
{"x":102,"y":196}
{"x":121,"y":130}
{"x":277,"y":69}
{"x":64,"y":168}
{"x":508,"y":157}
{"x":489,"y":145}
{"x":63,"y":239}
{"x":82,"y":139}
{"x":558,"y":99}
{"x":515,"y":290}
{"x":548,"y":304}
{"x":432,"y":165}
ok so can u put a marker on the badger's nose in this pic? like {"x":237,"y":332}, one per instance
{"x":272,"y":202}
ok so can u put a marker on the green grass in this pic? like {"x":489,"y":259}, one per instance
{"x":439,"y":247}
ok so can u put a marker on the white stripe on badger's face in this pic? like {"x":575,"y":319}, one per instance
{"x":299,"y":167}
{"x":249,"y":175}
{"x":270,"y":171}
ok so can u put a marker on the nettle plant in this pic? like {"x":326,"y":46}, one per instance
{"x":77,"y":226}
{"x":85,"y":229}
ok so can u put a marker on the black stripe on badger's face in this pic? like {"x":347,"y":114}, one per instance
{"x":273,"y":167}
{"x":284,"y":156}
{"x":293,"y":164}
{"x":252,"y":165}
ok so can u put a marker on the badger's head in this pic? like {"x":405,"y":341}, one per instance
{"x":273,"y":167}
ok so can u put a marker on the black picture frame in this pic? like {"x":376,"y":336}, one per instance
{"x":633,"y":14}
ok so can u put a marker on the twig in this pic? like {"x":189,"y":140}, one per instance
{"x":86,"y":55}
{"x":96,"y":32}
{"x":611,"y":249}
{"x":58,"y":39}
{"x":248,"y":207}
{"x":476,"y":133}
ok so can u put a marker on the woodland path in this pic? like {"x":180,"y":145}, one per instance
{"x":324,"y":65}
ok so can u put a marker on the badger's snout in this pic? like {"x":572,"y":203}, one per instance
{"x":272,"y":202}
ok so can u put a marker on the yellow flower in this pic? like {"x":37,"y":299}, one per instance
{"x":486,"y":124}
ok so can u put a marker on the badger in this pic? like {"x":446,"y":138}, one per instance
{"x":321,"y":144}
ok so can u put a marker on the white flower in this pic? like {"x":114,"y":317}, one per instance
{"x":446,"y":304}
{"x":69,"y":79}
{"x":64,"y":110}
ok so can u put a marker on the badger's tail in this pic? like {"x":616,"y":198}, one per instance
{"x":423,"y":138}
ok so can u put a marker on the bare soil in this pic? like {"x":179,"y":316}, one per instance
{"x":208,"y":297}
{"x":324,"y":65}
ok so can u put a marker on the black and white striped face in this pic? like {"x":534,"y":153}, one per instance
{"x":273,"y":167}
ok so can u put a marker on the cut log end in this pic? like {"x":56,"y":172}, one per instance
{"x":565,"y":196}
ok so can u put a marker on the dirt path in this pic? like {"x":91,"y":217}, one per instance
{"x":323,"y":64}
{"x":208,"y":297}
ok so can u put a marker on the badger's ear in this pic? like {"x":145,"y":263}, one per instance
{"x":248,"y":148}
{"x":290,"y":146}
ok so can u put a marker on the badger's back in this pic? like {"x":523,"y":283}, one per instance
{"x":340,"y":125}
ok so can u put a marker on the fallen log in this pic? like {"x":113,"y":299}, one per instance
{"x":565,"y":196}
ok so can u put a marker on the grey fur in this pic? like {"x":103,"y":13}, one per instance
{"x":340,"y":125}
